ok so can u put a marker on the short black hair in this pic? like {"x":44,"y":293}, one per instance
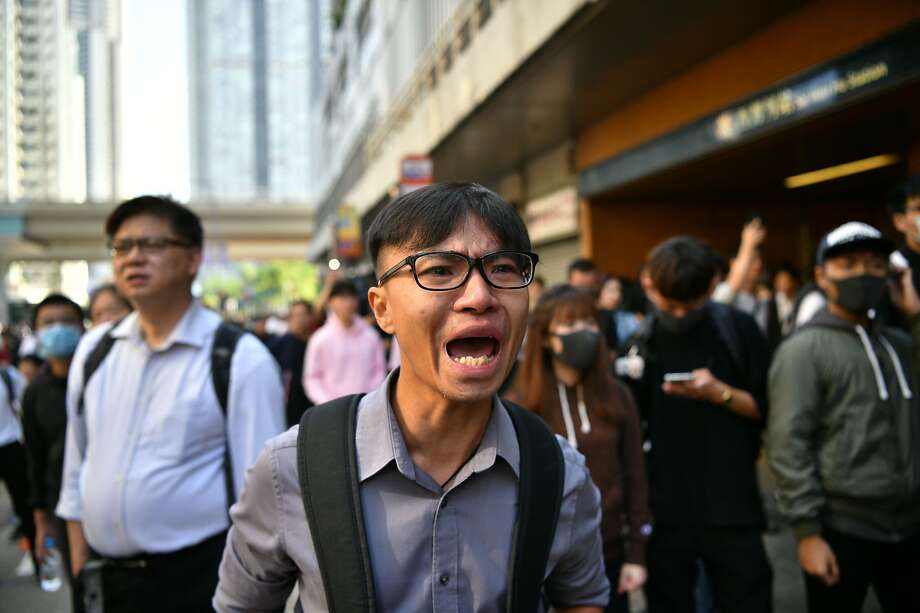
{"x":788,"y":268}
{"x":896,"y":202}
{"x":304,"y":303}
{"x":54,"y":300}
{"x":681,"y":268}
{"x":343,"y":287}
{"x":582,"y":265}
{"x":183,"y":221}
{"x":429,"y":215}
{"x":719,"y":263}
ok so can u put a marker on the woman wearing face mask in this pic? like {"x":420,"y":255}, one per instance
{"x":564,"y":378}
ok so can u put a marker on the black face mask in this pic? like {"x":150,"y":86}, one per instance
{"x":679,"y":325}
{"x":579,"y":349}
{"x":861,"y":293}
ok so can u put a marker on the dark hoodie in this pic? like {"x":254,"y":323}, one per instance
{"x":843,"y":436}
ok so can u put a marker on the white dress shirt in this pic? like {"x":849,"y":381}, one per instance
{"x":10,"y":429}
{"x":144,"y":463}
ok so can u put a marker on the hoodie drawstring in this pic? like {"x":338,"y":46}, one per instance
{"x":898,"y":368}
{"x":583,"y":411}
{"x":873,"y":359}
{"x":567,"y":414}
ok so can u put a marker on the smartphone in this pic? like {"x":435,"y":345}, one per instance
{"x":678,"y":377}
{"x":897,"y":264}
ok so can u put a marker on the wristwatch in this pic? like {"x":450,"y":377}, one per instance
{"x":727,"y":396}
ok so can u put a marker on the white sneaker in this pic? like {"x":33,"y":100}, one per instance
{"x":26,"y":567}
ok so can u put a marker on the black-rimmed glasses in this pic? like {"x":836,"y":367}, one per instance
{"x":440,"y":271}
{"x":148,"y":245}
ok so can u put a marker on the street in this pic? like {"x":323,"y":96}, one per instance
{"x":20,"y":595}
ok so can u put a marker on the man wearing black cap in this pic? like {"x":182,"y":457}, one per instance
{"x":843,"y":433}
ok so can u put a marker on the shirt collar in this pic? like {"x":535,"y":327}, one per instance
{"x":192,"y":329}
{"x":379,"y":439}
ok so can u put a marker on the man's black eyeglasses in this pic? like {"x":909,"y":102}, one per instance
{"x":148,"y":245}
{"x":440,"y":271}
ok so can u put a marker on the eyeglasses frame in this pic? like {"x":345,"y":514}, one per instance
{"x":477,"y":262}
{"x":168,"y":242}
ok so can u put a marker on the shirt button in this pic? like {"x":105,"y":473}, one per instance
{"x":444,"y":579}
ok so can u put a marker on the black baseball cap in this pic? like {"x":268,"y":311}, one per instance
{"x":853,"y":236}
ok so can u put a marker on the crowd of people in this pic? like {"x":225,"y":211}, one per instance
{"x":158,"y":447}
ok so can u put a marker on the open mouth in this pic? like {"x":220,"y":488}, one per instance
{"x":473,"y":350}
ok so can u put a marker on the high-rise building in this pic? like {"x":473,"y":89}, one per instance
{"x":58,"y":104}
{"x":249,"y":99}
{"x":97,"y":25}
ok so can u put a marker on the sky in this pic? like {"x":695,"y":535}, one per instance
{"x":154,"y":112}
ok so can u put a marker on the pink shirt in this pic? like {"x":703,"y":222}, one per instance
{"x":342,"y":361}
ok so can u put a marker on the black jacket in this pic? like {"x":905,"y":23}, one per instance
{"x":701,"y":456}
{"x":44,"y":427}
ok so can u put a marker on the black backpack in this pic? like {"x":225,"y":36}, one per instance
{"x":328,"y":473}
{"x":226,"y":338}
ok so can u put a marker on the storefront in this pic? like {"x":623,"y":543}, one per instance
{"x":807,"y":123}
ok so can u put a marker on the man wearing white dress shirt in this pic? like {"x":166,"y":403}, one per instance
{"x":144,"y":488}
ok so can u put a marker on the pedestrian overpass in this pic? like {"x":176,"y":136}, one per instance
{"x":53,"y":231}
{"x":234,"y":232}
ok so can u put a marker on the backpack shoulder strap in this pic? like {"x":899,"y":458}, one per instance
{"x":94,"y":360}
{"x":226,"y":338}
{"x":539,"y":499}
{"x":327,"y":466}
{"x":10,"y":389}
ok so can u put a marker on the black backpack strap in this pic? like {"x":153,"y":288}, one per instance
{"x":327,"y":466}
{"x":10,"y":390}
{"x":94,"y":360}
{"x":539,"y":499}
{"x":226,"y":338}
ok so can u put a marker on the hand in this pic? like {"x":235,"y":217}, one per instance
{"x":904,"y":294}
{"x":704,"y":386}
{"x":753,"y":234}
{"x":817,"y":558}
{"x":632,"y":577}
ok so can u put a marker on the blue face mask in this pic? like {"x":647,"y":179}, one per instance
{"x":58,"y":341}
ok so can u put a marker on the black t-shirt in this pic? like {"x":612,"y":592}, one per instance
{"x":702,"y":458}
{"x":44,"y":428}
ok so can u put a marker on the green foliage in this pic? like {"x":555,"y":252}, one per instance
{"x":256,"y":287}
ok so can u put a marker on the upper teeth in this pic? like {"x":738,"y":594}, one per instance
{"x":471,"y":361}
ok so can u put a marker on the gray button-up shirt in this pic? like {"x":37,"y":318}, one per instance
{"x":431,"y":548}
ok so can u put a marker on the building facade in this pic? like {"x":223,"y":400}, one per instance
{"x":249,"y":111}
{"x":612,"y":126}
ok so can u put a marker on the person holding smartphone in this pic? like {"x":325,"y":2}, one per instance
{"x":702,"y":393}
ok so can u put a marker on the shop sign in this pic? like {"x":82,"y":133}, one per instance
{"x":800,"y":98}
{"x":348,"y":233}
{"x":415,"y":171}
{"x":552,"y":216}
{"x":884,"y":65}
